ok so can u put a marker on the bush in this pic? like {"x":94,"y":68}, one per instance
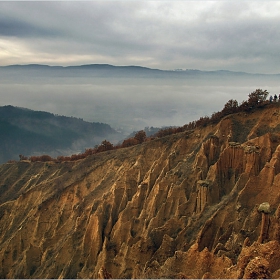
{"x":257,"y":97}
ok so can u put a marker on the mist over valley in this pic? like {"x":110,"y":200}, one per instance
{"x":127,"y":98}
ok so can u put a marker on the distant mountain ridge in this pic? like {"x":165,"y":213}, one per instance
{"x":28,"y":132}
{"x":126,"y":69}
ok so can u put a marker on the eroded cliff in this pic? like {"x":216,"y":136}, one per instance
{"x":184,"y":206}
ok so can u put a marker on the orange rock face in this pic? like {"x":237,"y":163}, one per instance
{"x":182,"y":206}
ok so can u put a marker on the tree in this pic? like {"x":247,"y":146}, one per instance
{"x":140,"y":136}
{"x":42,"y":158}
{"x":22,"y":157}
{"x":230,"y":107}
{"x":105,"y":146}
{"x":164,"y":132}
{"x":129,"y":142}
{"x":256,"y":97}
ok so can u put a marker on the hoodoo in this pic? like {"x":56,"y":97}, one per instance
{"x":202,"y":203}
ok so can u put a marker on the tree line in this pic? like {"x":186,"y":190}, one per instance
{"x":256,"y":99}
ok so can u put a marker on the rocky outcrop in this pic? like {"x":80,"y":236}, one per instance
{"x":189,"y":205}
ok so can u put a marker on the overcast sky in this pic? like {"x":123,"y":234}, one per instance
{"x":205,"y":35}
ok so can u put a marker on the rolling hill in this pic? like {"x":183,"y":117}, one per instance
{"x":29,"y":132}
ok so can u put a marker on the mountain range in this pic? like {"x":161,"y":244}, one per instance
{"x":104,"y":70}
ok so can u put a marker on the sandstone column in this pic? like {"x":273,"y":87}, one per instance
{"x":264,"y":208}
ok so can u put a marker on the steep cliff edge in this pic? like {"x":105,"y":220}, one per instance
{"x":199,"y":204}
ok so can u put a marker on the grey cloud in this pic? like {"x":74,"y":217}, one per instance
{"x":21,"y":20}
{"x":205,"y":34}
{"x":15,"y":27}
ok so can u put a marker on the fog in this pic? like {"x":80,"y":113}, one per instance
{"x":131,"y":103}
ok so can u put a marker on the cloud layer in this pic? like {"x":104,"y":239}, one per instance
{"x":206,"y":35}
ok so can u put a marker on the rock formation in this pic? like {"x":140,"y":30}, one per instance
{"x":189,"y":205}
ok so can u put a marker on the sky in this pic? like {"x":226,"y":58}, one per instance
{"x":206,"y":35}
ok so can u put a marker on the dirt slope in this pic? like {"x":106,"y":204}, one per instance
{"x":200,"y":204}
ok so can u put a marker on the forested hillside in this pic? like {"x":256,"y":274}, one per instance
{"x":29,"y":132}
